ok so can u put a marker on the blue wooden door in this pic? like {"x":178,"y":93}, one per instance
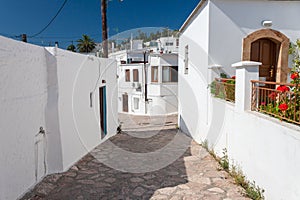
{"x":103,"y":111}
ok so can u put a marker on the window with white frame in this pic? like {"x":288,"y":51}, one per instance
{"x":135,"y":75}
{"x":169,"y":43}
{"x":186,"y":60}
{"x":127,"y":75}
{"x":154,"y":74}
{"x":170,"y":74}
{"x":136,"y":103}
{"x":177,"y":42}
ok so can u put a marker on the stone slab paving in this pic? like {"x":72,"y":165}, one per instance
{"x":105,"y":174}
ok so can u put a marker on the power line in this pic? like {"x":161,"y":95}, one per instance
{"x":60,"y":9}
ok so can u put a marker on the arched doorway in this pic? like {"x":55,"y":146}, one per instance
{"x":271,"y":48}
{"x":266,"y":51}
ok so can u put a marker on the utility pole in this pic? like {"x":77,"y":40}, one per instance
{"x":104,"y":28}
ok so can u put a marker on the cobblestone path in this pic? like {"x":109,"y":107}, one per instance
{"x":165,"y":165}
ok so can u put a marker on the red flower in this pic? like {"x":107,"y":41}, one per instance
{"x":263,"y":103}
{"x":294,"y":75}
{"x":283,"y":88}
{"x":283,"y":107}
{"x":233,"y":77}
{"x":272,"y":96}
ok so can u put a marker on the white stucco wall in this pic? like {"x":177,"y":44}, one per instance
{"x":130,"y":88}
{"x":214,"y":37}
{"x":266,"y":149}
{"x":192,"y":87}
{"x":23,"y":80}
{"x":39,"y":89}
{"x":230,"y":21}
{"x":78,"y":76}
{"x":162,"y":96}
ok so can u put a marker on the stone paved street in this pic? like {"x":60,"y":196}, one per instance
{"x":165,"y":165}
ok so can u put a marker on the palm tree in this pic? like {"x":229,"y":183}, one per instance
{"x":85,"y":44}
{"x":72,"y":48}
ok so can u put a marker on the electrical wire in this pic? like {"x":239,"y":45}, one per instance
{"x":57,"y":13}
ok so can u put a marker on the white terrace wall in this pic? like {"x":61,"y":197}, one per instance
{"x":41,"y":90}
{"x":214,"y":37}
{"x":230,"y":21}
{"x":266,"y":149}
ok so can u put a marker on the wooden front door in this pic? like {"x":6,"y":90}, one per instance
{"x":125,"y":102}
{"x":265,"y":51}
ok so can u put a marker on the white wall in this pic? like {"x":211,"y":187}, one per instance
{"x":192,"y":87}
{"x":231,"y":21}
{"x":130,"y":88}
{"x":266,"y":149}
{"x":162,"y":44}
{"x":163,"y":96}
{"x":23,"y":89}
{"x":41,"y":90}
{"x":78,"y":76}
{"x":214,"y":37}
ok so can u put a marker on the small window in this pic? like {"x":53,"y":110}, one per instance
{"x":177,"y":42}
{"x":154,"y":74}
{"x":170,"y":74}
{"x":186,"y":60}
{"x":127,"y":75}
{"x":169,"y":43}
{"x":135,"y":75}
{"x":136,"y":102}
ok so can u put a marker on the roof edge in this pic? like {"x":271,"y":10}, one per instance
{"x":191,"y":16}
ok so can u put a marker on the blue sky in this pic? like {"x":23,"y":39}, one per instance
{"x":83,"y":17}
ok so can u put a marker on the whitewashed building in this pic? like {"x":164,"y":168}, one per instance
{"x":168,"y":44}
{"x":55,"y":107}
{"x":217,"y":34}
{"x":148,"y":87}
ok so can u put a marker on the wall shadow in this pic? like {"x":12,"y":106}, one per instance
{"x":91,"y":179}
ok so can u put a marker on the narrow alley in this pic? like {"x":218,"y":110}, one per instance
{"x":150,"y":159}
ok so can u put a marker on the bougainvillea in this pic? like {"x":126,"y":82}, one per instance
{"x":283,"y":88}
{"x":284,"y":102}
{"x":295,"y":75}
{"x":272,"y":96}
{"x":283,"y":107}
